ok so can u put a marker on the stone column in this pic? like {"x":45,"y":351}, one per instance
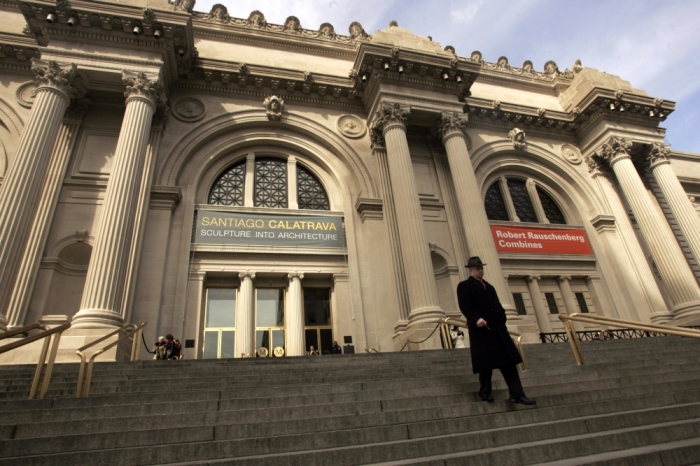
{"x":390,"y":127}
{"x":569,"y":298}
{"x":471,"y":205}
{"x":249,"y":184}
{"x":292,"y":183}
{"x":103,"y":296}
{"x":683,"y":210}
{"x":245,"y":316}
{"x":668,"y":257}
{"x":505,"y":192}
{"x":21,"y":188}
{"x":536,"y":203}
{"x":295,"y":316}
{"x":541,"y":314}
{"x":29,"y":267}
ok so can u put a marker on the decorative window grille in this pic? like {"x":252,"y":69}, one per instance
{"x":551,"y":303}
{"x":310,"y":192}
{"x":521,"y":201}
{"x":228,"y":188}
{"x":494,"y":203}
{"x":551,"y":210}
{"x":270,"y":183}
{"x":582,"y":303}
{"x":519,"y":304}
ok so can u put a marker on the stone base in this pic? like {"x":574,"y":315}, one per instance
{"x":71,"y":340}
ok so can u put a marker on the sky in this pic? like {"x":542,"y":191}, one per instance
{"x":653,"y":44}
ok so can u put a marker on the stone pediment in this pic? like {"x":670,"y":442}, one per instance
{"x":404,"y":38}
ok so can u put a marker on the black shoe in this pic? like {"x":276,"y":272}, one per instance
{"x":487,"y":398}
{"x":523,"y":400}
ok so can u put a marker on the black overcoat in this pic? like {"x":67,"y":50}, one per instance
{"x":491,"y":347}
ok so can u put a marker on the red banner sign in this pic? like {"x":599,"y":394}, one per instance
{"x":531,"y":240}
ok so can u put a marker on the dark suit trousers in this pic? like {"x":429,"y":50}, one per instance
{"x":510,"y":374}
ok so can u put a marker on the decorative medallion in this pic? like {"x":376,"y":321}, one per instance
{"x":25,"y":94}
{"x":570,"y":154}
{"x":189,"y":109}
{"x":262,"y":352}
{"x":278,"y":352}
{"x":274,"y":106}
{"x":517,"y":135}
{"x":351,"y":126}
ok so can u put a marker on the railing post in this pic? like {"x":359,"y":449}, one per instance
{"x":39,"y":368}
{"x":574,"y":342}
{"x":50,"y":364}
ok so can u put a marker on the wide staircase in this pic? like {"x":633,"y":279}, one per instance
{"x":635,"y":401}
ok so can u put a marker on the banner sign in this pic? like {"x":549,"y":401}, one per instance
{"x":243,"y":228}
{"x":532,"y":240}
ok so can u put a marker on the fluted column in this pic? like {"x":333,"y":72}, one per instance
{"x":249,"y":184}
{"x":541,"y":314}
{"x":508,"y":199}
{"x":245,"y":316}
{"x":471,"y":205}
{"x":683,"y":210}
{"x":668,"y":257}
{"x":22,"y":186}
{"x":389,"y":128}
{"x":292,"y":200}
{"x":103,"y":296}
{"x":295,"y":316}
{"x":29,"y":267}
{"x":531,"y":187}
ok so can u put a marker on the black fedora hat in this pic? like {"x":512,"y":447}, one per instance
{"x":474,"y":261}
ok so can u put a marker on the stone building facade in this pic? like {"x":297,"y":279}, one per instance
{"x":247,"y":185}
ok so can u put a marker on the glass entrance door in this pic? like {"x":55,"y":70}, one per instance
{"x":317,"y":320}
{"x":269,"y":322}
{"x":220,"y":323}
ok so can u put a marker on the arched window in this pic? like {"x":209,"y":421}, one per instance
{"x":228,"y":189}
{"x":529,"y":202}
{"x":310,"y":192}
{"x":270,"y":183}
{"x":495,"y":205}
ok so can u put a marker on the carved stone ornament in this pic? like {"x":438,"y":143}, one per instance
{"x":577,"y":66}
{"x":189,"y":109}
{"x":25,"y":94}
{"x":696,"y":205}
{"x":551,"y":69}
{"x":351,"y":126}
{"x":51,"y":74}
{"x":185,"y":5}
{"x":502,"y":63}
{"x":140,"y":85}
{"x":528,"y":68}
{"x":476,"y":57}
{"x":658,"y":152}
{"x":256,"y":20}
{"x":393,"y":23}
{"x":596,"y":165}
{"x":450,"y":122}
{"x":327,"y":31}
{"x":388,"y":113}
{"x":357,"y":32}
{"x":517,"y":135}
{"x":219,"y":13}
{"x":292,"y":25}
{"x":274,"y":106}
{"x":614,"y":149}
{"x":450,"y":49}
{"x":571,"y":154}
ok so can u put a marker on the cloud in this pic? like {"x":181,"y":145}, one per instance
{"x":464,"y":14}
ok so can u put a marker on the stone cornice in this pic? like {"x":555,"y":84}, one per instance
{"x":369,"y":208}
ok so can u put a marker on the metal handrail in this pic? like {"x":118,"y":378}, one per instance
{"x":445,"y":329}
{"x":612,"y":321}
{"x":371,"y":351}
{"x":130,"y":330}
{"x":41,"y":364}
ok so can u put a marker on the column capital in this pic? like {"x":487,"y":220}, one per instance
{"x":247,"y":274}
{"x":451,"y":124}
{"x":76,"y":112}
{"x":564,"y":278}
{"x":292,"y":276}
{"x":597,"y":166}
{"x":614,"y":150}
{"x":658,"y":154}
{"x":52,"y":75}
{"x":533,"y":278}
{"x":140,"y":85}
{"x":388,"y":115}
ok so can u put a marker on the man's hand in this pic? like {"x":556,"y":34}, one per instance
{"x":481,"y":323}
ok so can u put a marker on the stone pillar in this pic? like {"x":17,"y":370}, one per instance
{"x":103,"y":296}
{"x":245,"y":316}
{"x":668,"y":257}
{"x":249,"y":184}
{"x":389,"y":127}
{"x":505,"y":192}
{"x":50,"y":191}
{"x":471,"y":205}
{"x":21,"y":188}
{"x":600,"y":301}
{"x":536,"y":203}
{"x":632,"y":270}
{"x":569,"y":298}
{"x":541,"y":314}
{"x":292,"y":201}
{"x":295,"y":316}
{"x":683,"y":210}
